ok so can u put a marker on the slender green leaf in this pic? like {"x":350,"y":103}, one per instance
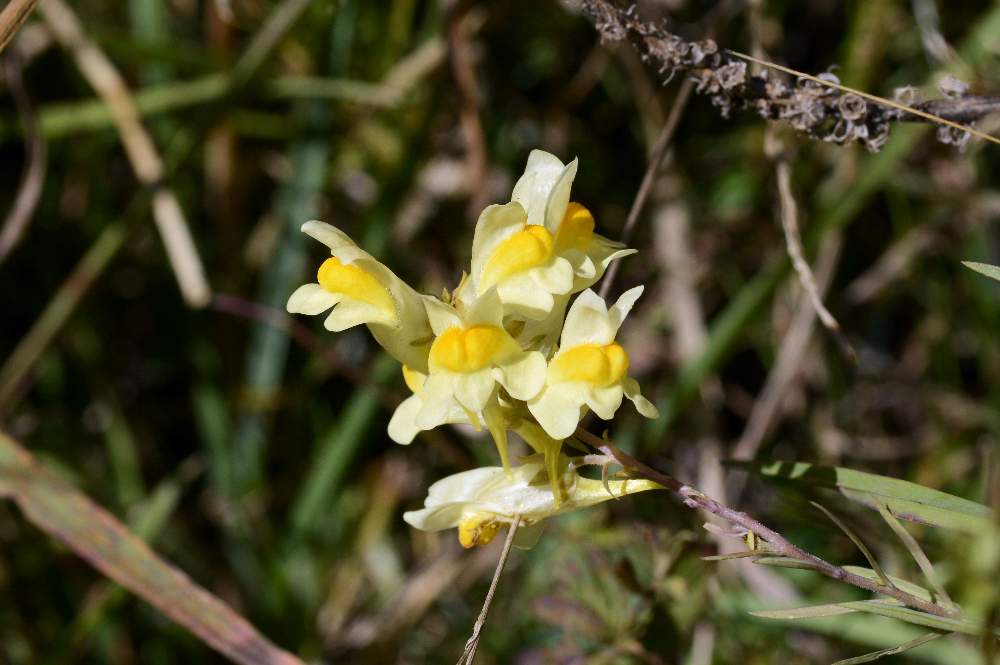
{"x":882,"y":577}
{"x":881,"y":653}
{"x":916,"y":617}
{"x":906,"y":500}
{"x":916,"y":552}
{"x":993,"y":272}
{"x":901,"y":584}
{"x":786,"y":562}
{"x":738,"y":555}
{"x":868,"y":631}
{"x":811,"y":612}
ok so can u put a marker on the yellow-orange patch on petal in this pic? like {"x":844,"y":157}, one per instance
{"x":576,"y":231}
{"x":414,"y":380}
{"x":353,"y":282}
{"x":466,"y":350}
{"x":477,"y":530}
{"x":591,"y":363}
{"x":526,"y":249}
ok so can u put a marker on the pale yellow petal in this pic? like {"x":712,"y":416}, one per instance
{"x":340,"y":243}
{"x":437,"y":401}
{"x":558,"y":198}
{"x":437,"y":518}
{"x":496,"y":224}
{"x":533,"y":188}
{"x":521,"y":296}
{"x":522,"y":374}
{"x":486,"y":310}
{"x":558,"y":409}
{"x":587,"y":322}
{"x":623,"y":306}
{"x":440,"y":314}
{"x":556,"y":277}
{"x":605,"y":401}
{"x":311,"y":299}
{"x":474,"y":389}
{"x":403,"y":424}
{"x":642,"y":405}
{"x":350,"y":313}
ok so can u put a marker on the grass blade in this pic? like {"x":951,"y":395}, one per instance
{"x":336,"y":450}
{"x":95,"y":535}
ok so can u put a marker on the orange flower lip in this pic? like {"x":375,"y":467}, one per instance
{"x":591,"y":363}
{"x":464,"y":350}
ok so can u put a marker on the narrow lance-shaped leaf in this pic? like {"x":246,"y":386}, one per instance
{"x":881,"y":653}
{"x":811,"y":612}
{"x":916,"y":617}
{"x":916,"y":552}
{"x":908,"y":501}
{"x":883,"y":578}
{"x":993,"y":272}
{"x":901,"y":584}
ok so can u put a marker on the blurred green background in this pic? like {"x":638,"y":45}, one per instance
{"x":251,"y":449}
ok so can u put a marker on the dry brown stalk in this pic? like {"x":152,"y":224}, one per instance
{"x":142,"y":154}
{"x":12,"y":17}
{"x":817,"y":106}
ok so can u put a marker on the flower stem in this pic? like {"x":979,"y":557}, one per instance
{"x":693,"y":498}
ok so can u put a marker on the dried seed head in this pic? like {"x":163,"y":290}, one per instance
{"x":907,"y":95}
{"x":852,"y":107}
{"x":953,"y":136}
{"x":951,"y":87}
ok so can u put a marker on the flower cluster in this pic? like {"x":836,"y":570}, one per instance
{"x":505,"y":350}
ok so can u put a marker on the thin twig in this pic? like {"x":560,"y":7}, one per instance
{"x":893,"y":265}
{"x":793,"y":243}
{"x":655,"y":160}
{"x":30,"y":190}
{"x":937,"y":48}
{"x":62,"y":119}
{"x":469,"y":654}
{"x":264,"y":41}
{"x":62,"y":306}
{"x":786,"y":366}
{"x":12,"y":17}
{"x":693,"y":498}
{"x":463,"y":72}
{"x":142,"y":154}
{"x":58,"y":310}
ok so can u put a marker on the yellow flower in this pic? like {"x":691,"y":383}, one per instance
{"x":403,"y":426}
{"x":480,"y":501}
{"x":539,"y":246}
{"x":362,"y":290}
{"x":590,"y":369}
{"x":470,"y":355}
